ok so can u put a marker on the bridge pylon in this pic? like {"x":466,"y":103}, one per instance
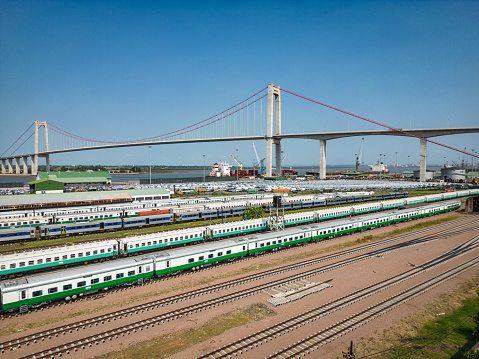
{"x":273,"y":127}
{"x":34,"y":157}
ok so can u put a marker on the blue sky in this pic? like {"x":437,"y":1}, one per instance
{"x":124,"y":70}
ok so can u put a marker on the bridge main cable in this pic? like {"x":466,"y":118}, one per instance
{"x":376,"y":123}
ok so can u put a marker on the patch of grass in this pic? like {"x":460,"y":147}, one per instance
{"x":444,"y":329}
{"x":169,"y":344}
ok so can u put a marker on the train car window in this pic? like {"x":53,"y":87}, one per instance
{"x":261,"y":245}
{"x":220,"y":254}
{"x":191,"y":260}
{"x":52,"y":290}
{"x":131,"y":273}
{"x":210,"y":256}
{"x":30,"y":263}
{"x":119,"y":275}
{"x":80,"y":255}
{"x":13,"y":265}
{"x":95,"y":252}
{"x":37,"y":293}
{"x":81,"y":284}
{"x":200,"y":258}
{"x":228,"y":252}
{"x":95,"y":280}
{"x":143,"y":244}
{"x":72,"y":256}
{"x":39,"y":261}
{"x":65,"y":257}
{"x":67,"y":287}
{"x":109,"y":249}
{"x":107,"y":278}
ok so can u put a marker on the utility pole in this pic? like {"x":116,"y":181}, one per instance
{"x":396,"y":168}
{"x":204,"y":168}
{"x":149,"y":152}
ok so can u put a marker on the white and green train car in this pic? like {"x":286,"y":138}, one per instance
{"x":161,"y":240}
{"x":37,"y":260}
{"x":237,"y":228}
{"x":196,"y":257}
{"x":26,"y":293}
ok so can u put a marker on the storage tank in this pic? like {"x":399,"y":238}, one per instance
{"x":453,"y":174}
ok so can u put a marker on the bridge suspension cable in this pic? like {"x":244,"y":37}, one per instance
{"x":377,"y":123}
{"x":18,"y":140}
{"x":227,"y":123}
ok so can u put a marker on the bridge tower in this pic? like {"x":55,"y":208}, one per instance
{"x":34,"y":158}
{"x":273,"y":127}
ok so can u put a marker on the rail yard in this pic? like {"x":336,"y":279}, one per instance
{"x":319,"y":284}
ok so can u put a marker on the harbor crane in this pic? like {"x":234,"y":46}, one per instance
{"x":240,"y":165}
{"x":260,"y":162}
{"x":286,"y":155}
{"x":360,"y":154}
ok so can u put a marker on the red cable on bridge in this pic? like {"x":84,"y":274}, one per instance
{"x":17,"y":141}
{"x":23,"y":143}
{"x":377,"y":123}
{"x":170,"y":134}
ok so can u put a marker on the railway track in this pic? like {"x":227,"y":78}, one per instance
{"x":273,"y":332}
{"x":188,"y":310}
{"x":323,"y":337}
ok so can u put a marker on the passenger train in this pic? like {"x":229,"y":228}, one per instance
{"x":30,"y":292}
{"x":57,"y":224}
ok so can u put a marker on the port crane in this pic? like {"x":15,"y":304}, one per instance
{"x":360,"y":153}
{"x":240,"y":165}
{"x":260,"y":162}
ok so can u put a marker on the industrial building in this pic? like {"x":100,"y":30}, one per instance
{"x":71,"y":179}
{"x":453,"y":174}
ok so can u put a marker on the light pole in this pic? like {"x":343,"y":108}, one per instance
{"x":408,"y":161}
{"x":149,"y":152}
{"x":396,"y":168}
{"x":237,"y":164}
{"x":204,"y":168}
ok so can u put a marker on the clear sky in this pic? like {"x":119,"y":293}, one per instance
{"x":124,"y":70}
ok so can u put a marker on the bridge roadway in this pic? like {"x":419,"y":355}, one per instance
{"x":321,"y":136}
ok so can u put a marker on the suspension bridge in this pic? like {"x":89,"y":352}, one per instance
{"x":241,"y":122}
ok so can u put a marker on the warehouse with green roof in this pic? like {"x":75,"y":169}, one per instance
{"x":55,"y":182}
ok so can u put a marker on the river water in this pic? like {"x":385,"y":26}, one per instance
{"x":199,"y":173}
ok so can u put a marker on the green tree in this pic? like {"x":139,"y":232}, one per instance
{"x":253,"y":213}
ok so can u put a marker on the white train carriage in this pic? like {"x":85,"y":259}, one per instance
{"x":70,"y":284}
{"x":84,"y":217}
{"x":195,"y":257}
{"x":299,"y":218}
{"x":23,"y":222}
{"x":237,"y":228}
{"x":58,"y":256}
{"x":161,"y":240}
{"x":367,"y":207}
{"x":335,"y":212}
{"x":14,"y":234}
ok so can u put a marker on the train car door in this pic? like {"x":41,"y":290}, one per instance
{"x":38,"y":232}
{"x":102,"y":226}
{"x":22,"y":301}
{"x":64,"y":231}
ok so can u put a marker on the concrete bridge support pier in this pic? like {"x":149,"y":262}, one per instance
{"x":47,"y":158}
{"x":3,"y":166}
{"x":322,"y":159}
{"x":17,"y":165}
{"x":422,"y":160}
{"x":25,"y":165}
{"x":9,"y":165}
{"x":34,"y":164}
